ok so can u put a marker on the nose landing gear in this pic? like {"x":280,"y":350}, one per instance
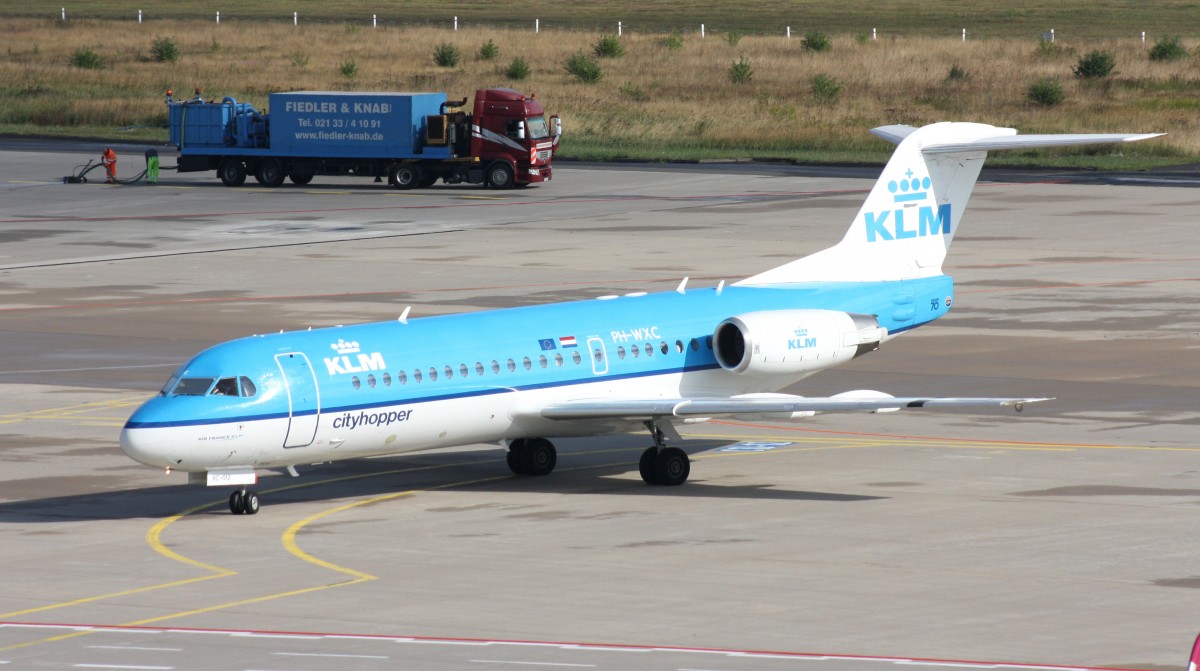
{"x":243,"y":502}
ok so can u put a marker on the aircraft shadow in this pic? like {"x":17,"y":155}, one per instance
{"x":582,"y":469}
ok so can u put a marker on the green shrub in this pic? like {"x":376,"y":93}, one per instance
{"x":741,"y":71}
{"x":1048,"y":49}
{"x":824,"y":89}
{"x":608,"y":46}
{"x":488,"y":51}
{"x":1046,"y":92}
{"x":733,"y":37}
{"x":300,"y":60}
{"x":518,"y":69}
{"x":634,"y":92}
{"x":1168,"y":49}
{"x":957,"y":74}
{"x":446,"y":55}
{"x":815,"y":40}
{"x":1095,"y":65}
{"x":164,"y":50}
{"x":348,"y":69}
{"x":674,"y":41}
{"x":87,"y":59}
{"x":585,"y":69}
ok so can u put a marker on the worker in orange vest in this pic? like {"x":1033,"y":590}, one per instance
{"x":109,"y":159}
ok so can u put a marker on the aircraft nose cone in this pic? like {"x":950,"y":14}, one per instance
{"x":141,"y":446}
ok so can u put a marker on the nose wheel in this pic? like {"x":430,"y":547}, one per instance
{"x":243,"y":502}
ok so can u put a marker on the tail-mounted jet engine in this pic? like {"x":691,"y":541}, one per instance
{"x":791,"y":342}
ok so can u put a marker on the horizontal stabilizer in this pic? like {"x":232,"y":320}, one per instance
{"x":1032,"y":142}
{"x":598,"y":409}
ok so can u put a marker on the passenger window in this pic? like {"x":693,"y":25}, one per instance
{"x":620,"y":352}
{"x":355,"y":382}
{"x":558,"y":360}
{"x":417,"y":375}
{"x":576,"y":358}
{"x":649,"y":350}
{"x":512,"y":366}
{"x":708,"y":342}
{"x":387,"y":380}
{"x":479,"y":368}
{"x":635,"y":351}
{"x":449,"y":372}
{"x":432,"y":374}
{"x":662,"y":347}
{"x":371,"y":381}
{"x":695,"y":345}
{"x":462,"y":369}
{"x":401,"y":378}
{"x":543,"y":361}
{"x":527,"y":363}
{"x":495,"y":367}
{"x":598,"y":354}
{"x":248,"y":388}
{"x":679,"y":346}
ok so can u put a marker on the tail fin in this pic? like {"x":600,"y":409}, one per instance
{"x":909,"y":219}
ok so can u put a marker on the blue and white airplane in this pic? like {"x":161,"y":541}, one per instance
{"x":595,"y":367}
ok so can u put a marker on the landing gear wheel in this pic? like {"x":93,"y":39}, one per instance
{"x":232,"y":172}
{"x":236,"y":505}
{"x":539,"y":457}
{"x":514,"y":457}
{"x":300,"y":178}
{"x":250,"y":503}
{"x":404,"y":176}
{"x":671,"y":467}
{"x":500,"y":175}
{"x":646,"y":465}
{"x":270,"y":173}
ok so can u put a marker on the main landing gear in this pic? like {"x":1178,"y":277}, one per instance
{"x":659,"y":465}
{"x":662,"y":465}
{"x":243,"y":502}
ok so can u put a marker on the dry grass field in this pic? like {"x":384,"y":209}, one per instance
{"x":654,"y":101}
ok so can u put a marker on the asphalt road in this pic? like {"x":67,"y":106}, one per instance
{"x":1061,"y":536}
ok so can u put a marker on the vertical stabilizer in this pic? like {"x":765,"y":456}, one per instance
{"x":908,"y":221}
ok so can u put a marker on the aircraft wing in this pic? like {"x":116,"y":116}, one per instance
{"x":762,"y":404}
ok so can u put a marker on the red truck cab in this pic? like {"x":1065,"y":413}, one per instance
{"x":508,"y":128}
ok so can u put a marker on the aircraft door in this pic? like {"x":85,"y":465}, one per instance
{"x":304,"y":398}
{"x":598,"y":355}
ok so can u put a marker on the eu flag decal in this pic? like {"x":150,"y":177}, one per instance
{"x":547,"y":344}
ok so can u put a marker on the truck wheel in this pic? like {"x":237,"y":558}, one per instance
{"x":500,"y":175}
{"x":270,"y":173}
{"x":300,"y":178}
{"x":232,"y":172}
{"x":404,"y":176}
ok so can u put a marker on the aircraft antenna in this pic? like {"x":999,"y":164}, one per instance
{"x":682,"y":288}
{"x":404,"y":315}
{"x":720,"y":287}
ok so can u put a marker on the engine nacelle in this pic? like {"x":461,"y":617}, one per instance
{"x":792,"y":342}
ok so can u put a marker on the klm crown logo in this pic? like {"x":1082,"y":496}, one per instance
{"x":345,"y":347}
{"x":908,"y":193}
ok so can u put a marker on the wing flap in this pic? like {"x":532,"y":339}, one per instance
{"x":592,"y":409}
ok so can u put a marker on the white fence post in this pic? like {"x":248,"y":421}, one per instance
{"x":139,"y":16}
{"x":964,"y":35}
{"x":1052,"y":36}
{"x":218,"y":17}
{"x":456,"y":24}
{"x":295,"y":18}
{"x":64,"y":14}
{"x":618,"y":28}
{"x":873,"y":34}
{"x":1143,"y":37}
{"x":789,"y":32}
{"x":374,"y":20}
{"x":701,"y":31}
{"x":537,"y":26}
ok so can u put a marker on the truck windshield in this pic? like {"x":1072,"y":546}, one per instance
{"x":538,"y":128}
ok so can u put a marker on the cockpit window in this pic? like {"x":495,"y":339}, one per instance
{"x":537,"y":127}
{"x":166,"y":388}
{"x":226,"y":386}
{"x":193,"y":386}
{"x":248,"y":388}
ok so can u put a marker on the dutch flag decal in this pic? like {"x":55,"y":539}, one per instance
{"x":567,"y":341}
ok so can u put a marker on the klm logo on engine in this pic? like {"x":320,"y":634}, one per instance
{"x":351,"y":359}
{"x":922,"y":218}
{"x":802,"y":341}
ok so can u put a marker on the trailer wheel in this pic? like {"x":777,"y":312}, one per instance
{"x":300,"y":178}
{"x":232,"y":172}
{"x":270,"y":173}
{"x":500,"y":175}
{"x":404,"y":176}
